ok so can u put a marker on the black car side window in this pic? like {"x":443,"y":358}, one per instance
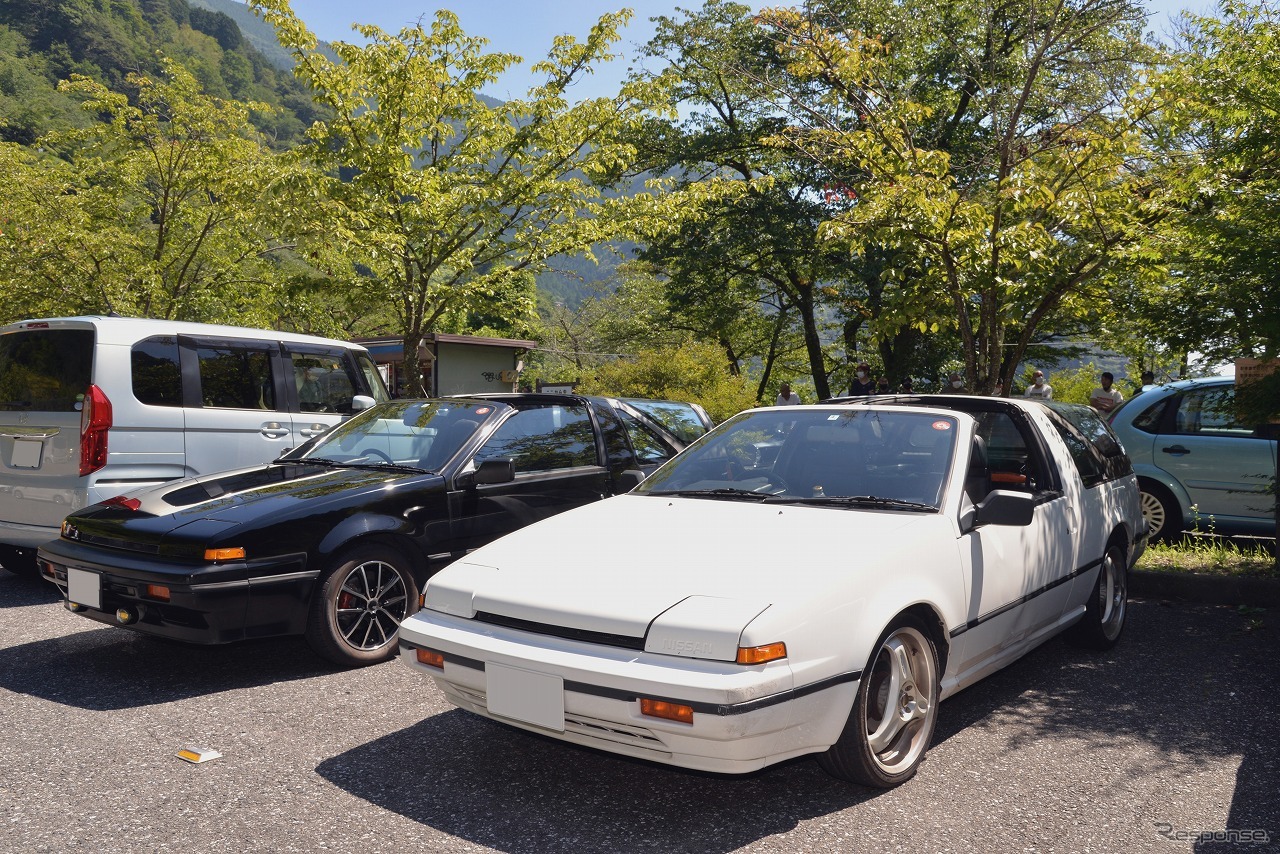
{"x":544,"y":438}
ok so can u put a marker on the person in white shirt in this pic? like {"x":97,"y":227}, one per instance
{"x":1039,"y":388}
{"x":1107,"y":397}
{"x":786,"y":398}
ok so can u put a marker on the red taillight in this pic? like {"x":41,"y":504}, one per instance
{"x":126,"y":503}
{"x":95,"y":422}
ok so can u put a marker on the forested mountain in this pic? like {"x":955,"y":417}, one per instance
{"x":44,"y":41}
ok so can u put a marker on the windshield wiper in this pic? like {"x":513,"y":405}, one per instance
{"x":721,"y":492}
{"x":308,"y":461}
{"x":858,"y":501}
{"x":384,"y":466}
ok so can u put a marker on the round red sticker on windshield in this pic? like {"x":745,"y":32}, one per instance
{"x":942,"y":425}
{"x":484,"y":410}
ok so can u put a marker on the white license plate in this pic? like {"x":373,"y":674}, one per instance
{"x":522,"y":695}
{"x":84,"y":588}
{"x":26,"y":453}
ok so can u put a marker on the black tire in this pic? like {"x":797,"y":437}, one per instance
{"x":1161,"y":510}
{"x":19,"y":561}
{"x":1108,"y":605}
{"x":886,"y":736}
{"x":359,"y":604}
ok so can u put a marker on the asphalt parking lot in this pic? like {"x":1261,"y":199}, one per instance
{"x":1170,"y":742}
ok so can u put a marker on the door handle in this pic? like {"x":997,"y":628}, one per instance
{"x":1176,"y":450}
{"x":314,"y":430}
{"x":273,"y":430}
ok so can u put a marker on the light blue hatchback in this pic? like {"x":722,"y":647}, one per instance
{"x":1198,"y":465}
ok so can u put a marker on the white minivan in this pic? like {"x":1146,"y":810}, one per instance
{"x":91,"y":407}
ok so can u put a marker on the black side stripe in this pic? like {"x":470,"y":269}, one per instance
{"x":718,"y":709}
{"x":977,"y":621}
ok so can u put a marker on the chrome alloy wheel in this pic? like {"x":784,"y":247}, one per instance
{"x":371,"y":604}
{"x":1112,"y":595}
{"x":901,"y":700}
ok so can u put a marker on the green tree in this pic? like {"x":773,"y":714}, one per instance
{"x":996,"y":159}
{"x":165,"y":209}
{"x":1221,"y":133}
{"x":442,"y":202}
{"x":753,"y":274}
{"x":690,"y":371}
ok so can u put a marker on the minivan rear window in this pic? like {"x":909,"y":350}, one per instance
{"x":45,"y":370}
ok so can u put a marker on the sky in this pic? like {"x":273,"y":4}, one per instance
{"x":527,"y":27}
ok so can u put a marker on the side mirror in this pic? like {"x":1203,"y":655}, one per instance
{"x":362,"y":401}
{"x":1005,"y":507}
{"x":629,"y":480}
{"x":494,"y":471}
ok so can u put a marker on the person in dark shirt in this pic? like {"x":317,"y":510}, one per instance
{"x":862,"y":381}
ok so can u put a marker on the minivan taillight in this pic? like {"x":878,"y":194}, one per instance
{"x":95,"y":422}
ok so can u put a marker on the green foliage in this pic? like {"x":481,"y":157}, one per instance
{"x":692,"y":371}
{"x":440,"y":203}
{"x":165,"y":209}
{"x":1222,"y":237}
{"x":45,"y":41}
{"x":1002,"y":189}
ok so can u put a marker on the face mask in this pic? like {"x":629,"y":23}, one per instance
{"x":1039,"y":380}
{"x":862,"y":375}
{"x":956,"y":383}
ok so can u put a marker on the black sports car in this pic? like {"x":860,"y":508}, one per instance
{"x":335,"y":539}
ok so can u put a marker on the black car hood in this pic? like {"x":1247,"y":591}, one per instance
{"x":232,"y":498}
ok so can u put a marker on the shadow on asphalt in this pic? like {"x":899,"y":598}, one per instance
{"x":1196,"y":689}
{"x":107,"y":668}
{"x":513,"y":791}
{"x":20,"y":591}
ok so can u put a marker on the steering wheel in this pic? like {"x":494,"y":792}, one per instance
{"x":374,"y":452}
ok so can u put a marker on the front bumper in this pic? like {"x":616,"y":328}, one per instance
{"x":207,"y":603}
{"x":744,"y":717}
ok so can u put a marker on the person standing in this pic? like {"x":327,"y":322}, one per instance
{"x":785,"y":397}
{"x":1107,"y":397}
{"x":862,"y":383}
{"x":1039,"y":388}
{"x":955,"y":385}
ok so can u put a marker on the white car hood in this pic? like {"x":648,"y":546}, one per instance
{"x":686,"y":574}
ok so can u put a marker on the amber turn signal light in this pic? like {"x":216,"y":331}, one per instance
{"x":224,"y":554}
{"x":663,"y":709}
{"x":158,"y":591}
{"x":761,"y":654}
{"x":431,"y":658}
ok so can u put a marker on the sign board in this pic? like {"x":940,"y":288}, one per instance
{"x":1252,"y":370}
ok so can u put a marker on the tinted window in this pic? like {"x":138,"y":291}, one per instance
{"x":679,"y":419}
{"x":1087,"y":461}
{"x":157,"y":372}
{"x":1210,"y":411}
{"x":46,"y":370}
{"x":322,"y":381}
{"x":236,"y":378}
{"x":1149,"y":420}
{"x":544,"y":438}
{"x":649,"y":446}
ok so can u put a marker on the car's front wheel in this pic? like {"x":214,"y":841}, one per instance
{"x":1108,"y":604}
{"x":356,"y":612}
{"x":894,"y":713}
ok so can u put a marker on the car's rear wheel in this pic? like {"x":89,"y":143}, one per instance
{"x":894,"y":712}
{"x":19,"y":561}
{"x":1160,"y":509}
{"x":1108,"y":604}
{"x":357,"y":610}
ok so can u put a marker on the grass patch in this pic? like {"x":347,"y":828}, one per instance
{"x":1209,"y":556}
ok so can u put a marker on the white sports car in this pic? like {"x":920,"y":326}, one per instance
{"x":801,"y":580}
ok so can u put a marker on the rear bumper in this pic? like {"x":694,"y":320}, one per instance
{"x":206,"y":604}
{"x":28,"y":536}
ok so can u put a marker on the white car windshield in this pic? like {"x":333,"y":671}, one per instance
{"x":896,"y":459}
